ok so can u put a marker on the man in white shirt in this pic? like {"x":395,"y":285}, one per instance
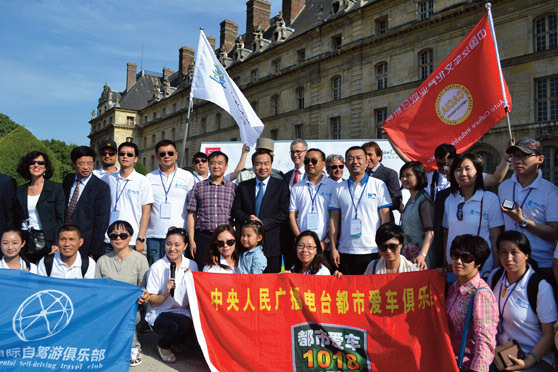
{"x":107,"y":154}
{"x":297,"y":152}
{"x":170,"y":186}
{"x":357,"y":208}
{"x":131,"y":196}
{"x":335,"y":166}
{"x":534,"y":200}
{"x":67,"y":263}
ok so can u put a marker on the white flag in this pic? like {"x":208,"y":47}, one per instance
{"x":212,"y":83}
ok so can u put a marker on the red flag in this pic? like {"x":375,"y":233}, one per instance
{"x":311,"y":323}
{"x":457,"y":104}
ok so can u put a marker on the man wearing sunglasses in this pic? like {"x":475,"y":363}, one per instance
{"x":107,"y":155}
{"x":335,"y":166}
{"x":131,"y":196}
{"x":170,"y":185}
{"x":201,"y":166}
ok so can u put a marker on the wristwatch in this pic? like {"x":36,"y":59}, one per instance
{"x":141,"y":240}
{"x":523,"y":223}
{"x":327,"y":241}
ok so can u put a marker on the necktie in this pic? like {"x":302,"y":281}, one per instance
{"x":73,"y":203}
{"x":295,"y":179}
{"x":259,"y":198}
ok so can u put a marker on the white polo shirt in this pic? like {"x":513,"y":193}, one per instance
{"x":172,"y":190}
{"x":60,"y":270}
{"x":539,"y":203}
{"x":491,"y":217}
{"x":131,"y":193}
{"x":374,"y":195}
{"x":101,"y":172}
{"x":198,"y":177}
{"x":23,"y":266}
{"x":157,"y":279}
{"x":307,"y":198}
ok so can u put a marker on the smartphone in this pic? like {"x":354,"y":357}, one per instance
{"x":508,"y":204}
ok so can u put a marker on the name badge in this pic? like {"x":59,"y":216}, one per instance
{"x":312,"y":221}
{"x":165,"y":211}
{"x":114,"y":216}
{"x":356,"y":228}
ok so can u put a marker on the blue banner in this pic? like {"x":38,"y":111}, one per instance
{"x":49,"y":324}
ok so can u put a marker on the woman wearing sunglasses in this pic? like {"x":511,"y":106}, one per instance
{"x":126,"y":265}
{"x":469,"y":209}
{"x":468,"y":253}
{"x":221,"y":251}
{"x":390,"y":239}
{"x":40,"y":203}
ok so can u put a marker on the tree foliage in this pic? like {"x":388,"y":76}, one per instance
{"x":140,"y":168}
{"x":6,"y":125}
{"x":62,"y":152}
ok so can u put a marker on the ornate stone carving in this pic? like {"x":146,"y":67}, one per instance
{"x":280,"y":33}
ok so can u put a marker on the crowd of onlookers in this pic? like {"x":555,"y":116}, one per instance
{"x":497,"y":251}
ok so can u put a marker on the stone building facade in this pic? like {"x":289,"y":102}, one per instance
{"x":335,"y":69}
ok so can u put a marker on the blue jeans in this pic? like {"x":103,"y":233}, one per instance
{"x":155,"y":249}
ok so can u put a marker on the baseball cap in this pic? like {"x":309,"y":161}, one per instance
{"x":527,"y":146}
{"x":107,"y":144}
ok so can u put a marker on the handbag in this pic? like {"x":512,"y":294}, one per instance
{"x":501,"y":359}
{"x":36,"y":242}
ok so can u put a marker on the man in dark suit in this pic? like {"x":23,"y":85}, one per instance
{"x":264,"y":199}
{"x":87,"y":202}
{"x":297,"y":152}
{"x":7,"y":199}
{"x":376,"y":169}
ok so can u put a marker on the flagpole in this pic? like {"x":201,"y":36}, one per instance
{"x":493,"y":32}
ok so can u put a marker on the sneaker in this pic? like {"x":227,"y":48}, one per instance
{"x":136,"y":356}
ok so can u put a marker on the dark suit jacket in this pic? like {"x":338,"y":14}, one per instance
{"x":50,"y":208}
{"x":287,"y":177}
{"x":7,"y":199}
{"x":273,"y":211}
{"x":390,"y":178}
{"x":91,"y":214}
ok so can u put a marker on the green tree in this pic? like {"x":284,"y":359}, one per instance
{"x":62,"y":152}
{"x":140,"y":168}
{"x":6,"y":125}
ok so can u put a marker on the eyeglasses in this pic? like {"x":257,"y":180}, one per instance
{"x":314,"y":161}
{"x":82,"y":164}
{"x":108,"y":153}
{"x":128,"y":154}
{"x":309,"y":248}
{"x":33,"y":162}
{"x":228,"y":242}
{"x":335,"y":167}
{"x":392,"y":247}
{"x":465,"y":257}
{"x":459,"y":213}
{"x":122,"y":235}
{"x":297,"y":152}
{"x":200,"y":160}
{"x":521,"y":156}
{"x":162,"y":154}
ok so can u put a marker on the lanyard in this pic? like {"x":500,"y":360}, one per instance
{"x":504,"y":279}
{"x":313,"y":199}
{"x":353,"y":198}
{"x":524,"y":200}
{"x":118,"y":195}
{"x":163,"y":183}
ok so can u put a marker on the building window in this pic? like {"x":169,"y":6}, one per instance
{"x":173,"y":134}
{"x":336,"y":87}
{"x":162,"y":135}
{"x":300,"y":97}
{"x":152,"y":162}
{"x":335,"y":124}
{"x":426,"y":9}
{"x":301,"y":55}
{"x":298,"y":131}
{"x":203,"y":126}
{"x":426,"y":65}
{"x":381,"y":25}
{"x":381,"y":75}
{"x":153,"y":139}
{"x":545,"y":33}
{"x":550,"y":164}
{"x":154,"y":115}
{"x":130,"y":121}
{"x":380,"y":116}
{"x":273,"y":134}
{"x":276,"y":66}
{"x":164,"y":112}
{"x":255,"y":106}
{"x":275,"y":104}
{"x":144,"y":143}
{"x":487,"y":161}
{"x":253,"y":75}
{"x":174,"y":107}
{"x":336,"y":42}
{"x":145,"y":119}
{"x":547,"y":98}
{"x":218,"y":121}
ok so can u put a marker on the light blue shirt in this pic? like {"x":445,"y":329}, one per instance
{"x":252,"y":261}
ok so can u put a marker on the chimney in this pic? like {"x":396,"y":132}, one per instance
{"x":229,"y":33}
{"x":211,"y":40}
{"x":185,"y":59}
{"x":167,"y":72}
{"x":291,"y":9}
{"x":131,"y":71}
{"x":257,"y":14}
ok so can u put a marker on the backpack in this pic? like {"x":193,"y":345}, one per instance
{"x":49,"y":260}
{"x":532,"y":286}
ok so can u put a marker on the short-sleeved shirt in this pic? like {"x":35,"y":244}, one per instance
{"x":32,"y":268}
{"x":101,"y":172}
{"x":360,"y":201}
{"x":539,"y":203}
{"x":212,"y":203}
{"x":308,"y":198}
{"x":322,"y":271}
{"x":157,"y":279}
{"x":130,"y":269}
{"x":199,"y":178}
{"x":62,"y":271}
{"x":491,"y":217}
{"x":132,"y":193}
{"x":172,"y":189}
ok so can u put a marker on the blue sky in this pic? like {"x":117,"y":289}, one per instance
{"x":56,"y":55}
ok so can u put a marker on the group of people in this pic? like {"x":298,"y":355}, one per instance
{"x":311,"y":220}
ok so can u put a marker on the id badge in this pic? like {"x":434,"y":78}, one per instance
{"x":114,"y":216}
{"x":312,"y":221}
{"x":165,"y":210}
{"x":356,"y":227}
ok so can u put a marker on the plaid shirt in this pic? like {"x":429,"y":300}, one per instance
{"x":212,"y":203}
{"x":481,"y":339}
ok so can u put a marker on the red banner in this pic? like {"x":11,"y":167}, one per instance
{"x":294,"y":322}
{"x":457,"y":104}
